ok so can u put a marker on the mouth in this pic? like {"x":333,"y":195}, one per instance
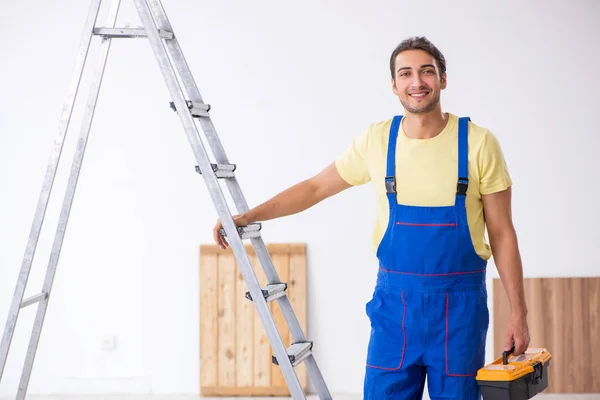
{"x":418,"y":95}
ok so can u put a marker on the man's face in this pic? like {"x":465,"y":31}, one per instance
{"x":418,"y":83}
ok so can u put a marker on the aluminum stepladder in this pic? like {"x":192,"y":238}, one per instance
{"x":190,"y":107}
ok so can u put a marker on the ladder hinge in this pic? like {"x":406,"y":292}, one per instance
{"x":271,"y":292}
{"x":246,"y":232}
{"x":221,"y":170}
{"x":197,"y":109}
{"x":297,"y":352}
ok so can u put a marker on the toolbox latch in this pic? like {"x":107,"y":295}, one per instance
{"x":538,"y":372}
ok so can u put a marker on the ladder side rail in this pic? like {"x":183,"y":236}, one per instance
{"x":67,"y":203}
{"x":48,"y":183}
{"x":233,"y":185}
{"x":191,"y":87}
{"x":219,"y":200}
{"x":294,"y":325}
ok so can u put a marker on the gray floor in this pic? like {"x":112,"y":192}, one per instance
{"x":336,"y":397}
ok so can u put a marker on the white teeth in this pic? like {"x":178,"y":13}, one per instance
{"x":418,"y":95}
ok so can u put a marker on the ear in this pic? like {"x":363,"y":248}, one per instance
{"x":394,"y":87}
{"x":444,"y":81}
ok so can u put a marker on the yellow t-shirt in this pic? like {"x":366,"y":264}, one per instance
{"x":427,"y":172}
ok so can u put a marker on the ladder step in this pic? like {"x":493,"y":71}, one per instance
{"x":271,"y":292}
{"x":34,"y":299}
{"x":297,"y":352}
{"x":197,"y":109}
{"x":247,"y":232}
{"x":221,"y":170}
{"x":115,"y":33}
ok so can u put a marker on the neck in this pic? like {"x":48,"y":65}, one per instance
{"x":424,"y":125}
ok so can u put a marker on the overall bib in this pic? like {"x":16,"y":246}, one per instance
{"x":429,"y":314}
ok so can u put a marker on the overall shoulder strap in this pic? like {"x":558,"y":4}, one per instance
{"x":390,"y":178}
{"x":463,"y":156}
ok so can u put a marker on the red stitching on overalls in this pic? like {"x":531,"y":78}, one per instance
{"x":412,"y":224}
{"x":446,"y":274}
{"x":403,"y":346}
{"x":448,"y":372}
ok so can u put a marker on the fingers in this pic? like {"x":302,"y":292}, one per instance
{"x":522,"y":343}
{"x":508,"y":343}
{"x":520,"y":346}
{"x":218,"y":237}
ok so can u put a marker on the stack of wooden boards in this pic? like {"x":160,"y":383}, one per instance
{"x":235,"y":354}
{"x":564,"y":317}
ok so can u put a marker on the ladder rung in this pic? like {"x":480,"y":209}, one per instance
{"x":271,"y":292}
{"x":128,"y":33}
{"x":221,"y":170}
{"x":197,"y":109}
{"x":34,"y":299}
{"x":297,"y":352}
{"x":247,"y":232}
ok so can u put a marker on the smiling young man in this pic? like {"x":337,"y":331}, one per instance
{"x":440,"y":180}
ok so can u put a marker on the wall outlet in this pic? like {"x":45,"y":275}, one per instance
{"x":109,"y":342}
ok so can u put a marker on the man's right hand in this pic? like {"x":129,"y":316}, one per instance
{"x":293,"y":200}
{"x":238,"y":220}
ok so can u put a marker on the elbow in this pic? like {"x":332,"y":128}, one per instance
{"x":505,"y":238}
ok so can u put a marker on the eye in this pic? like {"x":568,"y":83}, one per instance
{"x":428,"y":71}
{"x":403,"y":74}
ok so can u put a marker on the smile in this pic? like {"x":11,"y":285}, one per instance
{"x":419,"y":95}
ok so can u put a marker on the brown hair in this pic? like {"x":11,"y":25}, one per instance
{"x":418,"y":43}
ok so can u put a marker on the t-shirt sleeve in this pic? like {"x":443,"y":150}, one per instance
{"x":494,"y":170}
{"x":352,"y":164}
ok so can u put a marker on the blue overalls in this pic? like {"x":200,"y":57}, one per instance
{"x":429,"y":314}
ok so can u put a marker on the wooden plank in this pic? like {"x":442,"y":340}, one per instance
{"x":564,"y":317}
{"x":227,"y":280}
{"x":592,"y":295}
{"x":262,"y":347}
{"x":244,"y":329}
{"x":282,"y":266}
{"x":208,"y":320}
{"x":261,"y":391}
{"x":273,"y":248}
{"x":235,"y":351}
{"x":297,"y":295}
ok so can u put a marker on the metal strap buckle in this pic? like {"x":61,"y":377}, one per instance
{"x":390,"y":184}
{"x":462,"y":186}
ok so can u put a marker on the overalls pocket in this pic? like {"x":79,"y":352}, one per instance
{"x":418,"y":243}
{"x":387,"y":343}
{"x":467,"y":321}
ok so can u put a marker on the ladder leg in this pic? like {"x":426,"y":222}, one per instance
{"x":292,"y":321}
{"x":220,"y":156}
{"x":42,"y":205}
{"x":190,"y":86}
{"x":219,"y":200}
{"x":66,"y":206}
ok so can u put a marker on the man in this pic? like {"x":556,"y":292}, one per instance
{"x":440,"y":180}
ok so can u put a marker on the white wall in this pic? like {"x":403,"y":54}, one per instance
{"x":291,"y":83}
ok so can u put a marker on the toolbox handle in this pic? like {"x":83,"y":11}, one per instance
{"x":506,"y":354}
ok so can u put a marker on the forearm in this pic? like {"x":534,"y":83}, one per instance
{"x":291,"y":201}
{"x":508,"y":262}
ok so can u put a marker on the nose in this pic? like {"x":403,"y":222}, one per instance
{"x":417,"y":81}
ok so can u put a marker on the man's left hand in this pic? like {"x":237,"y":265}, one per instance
{"x":517,"y":334}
